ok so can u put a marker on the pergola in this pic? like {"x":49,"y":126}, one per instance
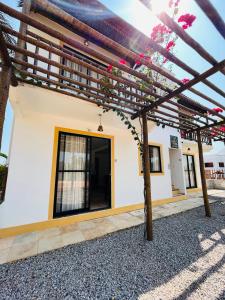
{"x":203,"y":124}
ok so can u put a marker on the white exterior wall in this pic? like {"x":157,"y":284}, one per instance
{"x":37,"y":113}
{"x":216,"y":159}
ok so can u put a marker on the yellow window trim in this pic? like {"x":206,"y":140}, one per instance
{"x":162,"y":173}
{"x":54,"y":163}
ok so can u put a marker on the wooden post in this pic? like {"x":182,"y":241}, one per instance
{"x":5,"y":79}
{"x":23,"y":29}
{"x":202,"y":170}
{"x":147,"y":179}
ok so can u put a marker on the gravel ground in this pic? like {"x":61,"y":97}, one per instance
{"x":186,"y":260}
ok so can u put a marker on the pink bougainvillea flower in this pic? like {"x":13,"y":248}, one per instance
{"x":165,"y":60}
{"x":158,"y":31}
{"x":185,"y":80}
{"x":185,"y":26}
{"x":218,"y":109}
{"x":187,"y":19}
{"x":170,"y":3}
{"x":122,"y":62}
{"x":138,"y":62}
{"x":141,"y":55}
{"x":222,"y":128}
{"x":109,"y":68}
{"x":170,"y":45}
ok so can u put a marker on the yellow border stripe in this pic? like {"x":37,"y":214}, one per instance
{"x":16,"y":230}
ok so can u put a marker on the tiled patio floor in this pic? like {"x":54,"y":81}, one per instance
{"x":33,"y":243}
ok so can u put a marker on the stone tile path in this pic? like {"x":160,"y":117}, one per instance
{"x":29,"y":244}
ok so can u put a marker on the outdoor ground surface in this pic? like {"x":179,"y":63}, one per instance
{"x":186,"y":260}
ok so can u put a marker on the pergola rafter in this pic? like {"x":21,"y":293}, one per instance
{"x":124,"y":93}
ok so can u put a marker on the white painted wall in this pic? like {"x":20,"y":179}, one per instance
{"x":37,"y":113}
{"x":215,"y":158}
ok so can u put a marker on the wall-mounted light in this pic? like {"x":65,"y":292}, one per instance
{"x":189,"y":149}
{"x":86,"y":42}
{"x":100,"y":127}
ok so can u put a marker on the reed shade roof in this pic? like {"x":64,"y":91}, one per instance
{"x":127,"y":97}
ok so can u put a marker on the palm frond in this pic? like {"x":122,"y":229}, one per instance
{"x":3,"y":155}
{"x":20,"y":3}
{"x":5,"y":22}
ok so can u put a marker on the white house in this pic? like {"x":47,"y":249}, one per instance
{"x":215,"y":161}
{"x":63,"y":170}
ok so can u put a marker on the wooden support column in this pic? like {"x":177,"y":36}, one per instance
{"x":203,"y":179}
{"x":147,"y":179}
{"x":5,"y":79}
{"x":23,"y":29}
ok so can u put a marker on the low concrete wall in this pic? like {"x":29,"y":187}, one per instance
{"x":216,"y":184}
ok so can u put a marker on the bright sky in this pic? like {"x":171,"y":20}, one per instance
{"x":137,"y":15}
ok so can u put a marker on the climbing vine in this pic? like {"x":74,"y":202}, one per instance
{"x":167,"y":39}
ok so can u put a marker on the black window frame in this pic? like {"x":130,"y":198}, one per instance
{"x":87,"y":168}
{"x":160,"y":158}
{"x":221,"y":164}
{"x":84,"y":58}
{"x":209,"y":165}
{"x":189,"y":171}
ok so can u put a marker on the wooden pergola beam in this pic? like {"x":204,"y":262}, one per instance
{"x":209,"y":126}
{"x":77,"y":24}
{"x":169,"y":22}
{"x":60,"y":66}
{"x":72,"y":58}
{"x":213,"y":15}
{"x":73,"y":21}
{"x":51,"y":47}
{"x":87,"y":87}
{"x":192,"y":82}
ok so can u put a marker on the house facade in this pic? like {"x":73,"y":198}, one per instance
{"x":215,"y":161}
{"x":62,"y":169}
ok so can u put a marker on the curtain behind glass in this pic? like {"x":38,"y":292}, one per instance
{"x":154,"y":153}
{"x":71,"y":173}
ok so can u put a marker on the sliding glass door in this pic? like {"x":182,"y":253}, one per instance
{"x":189,"y":171}
{"x":83,"y":175}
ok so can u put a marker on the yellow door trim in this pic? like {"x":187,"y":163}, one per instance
{"x":54,"y":163}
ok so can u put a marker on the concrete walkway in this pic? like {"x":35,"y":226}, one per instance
{"x":29,"y":244}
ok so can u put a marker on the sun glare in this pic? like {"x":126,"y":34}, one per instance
{"x":159,"y":5}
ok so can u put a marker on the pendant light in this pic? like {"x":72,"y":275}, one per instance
{"x":100,"y":127}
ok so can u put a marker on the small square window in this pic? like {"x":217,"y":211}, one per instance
{"x":209,"y":165}
{"x":221,"y":164}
